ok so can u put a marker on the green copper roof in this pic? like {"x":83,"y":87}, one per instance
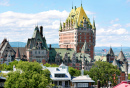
{"x":37,"y":38}
{"x":69,"y":51}
{"x":60,"y":29}
{"x":85,"y":47}
{"x":94,"y":27}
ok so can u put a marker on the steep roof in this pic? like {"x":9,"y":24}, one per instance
{"x":78,"y":14}
{"x":85,"y":47}
{"x":110,"y":52}
{"x":121,"y":56}
{"x":22,"y":50}
{"x":114,"y":62}
{"x":69,"y":51}
{"x":17,"y":54}
{"x":36,"y":38}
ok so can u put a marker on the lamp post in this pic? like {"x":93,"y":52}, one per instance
{"x":109,"y":83}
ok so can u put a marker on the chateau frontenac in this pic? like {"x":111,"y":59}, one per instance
{"x":77,"y":40}
{"x":76,"y":30}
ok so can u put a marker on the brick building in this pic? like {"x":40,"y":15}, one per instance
{"x":76,"y":30}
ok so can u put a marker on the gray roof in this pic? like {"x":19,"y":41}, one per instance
{"x":22,"y":50}
{"x":110,"y":52}
{"x":114,"y":62}
{"x":121,"y":56}
{"x":82,"y":79}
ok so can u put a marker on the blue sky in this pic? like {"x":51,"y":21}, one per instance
{"x":19,"y":17}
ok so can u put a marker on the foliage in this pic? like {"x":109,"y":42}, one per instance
{"x":86,"y":72}
{"x":28,"y":75}
{"x":51,"y":65}
{"x":8,"y":67}
{"x":104,"y":71}
{"x":128,"y":76}
{"x":74,"y":72}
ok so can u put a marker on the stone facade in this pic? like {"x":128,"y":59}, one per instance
{"x":36,"y":48}
{"x":7,"y":53}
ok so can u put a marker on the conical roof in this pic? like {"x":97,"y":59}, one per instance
{"x":36,"y":32}
{"x":17,"y":53}
{"x":110,"y":52}
{"x":85,"y":47}
{"x":60,"y":29}
{"x":121,"y":56}
{"x":114,"y":62}
{"x":78,"y":14}
{"x":94,"y":27}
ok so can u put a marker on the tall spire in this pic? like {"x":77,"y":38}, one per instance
{"x":60,"y":26}
{"x":81,"y":3}
{"x":121,"y":47}
{"x":94,"y":23}
{"x":17,"y":56}
{"x":72,"y":4}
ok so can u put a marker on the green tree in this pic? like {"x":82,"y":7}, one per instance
{"x":8,"y":67}
{"x":51,"y":65}
{"x":47,"y":65}
{"x":28,"y":75}
{"x":74,"y":72}
{"x":128,"y":76}
{"x":104,"y":71}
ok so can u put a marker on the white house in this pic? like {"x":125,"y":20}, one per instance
{"x":60,"y":75}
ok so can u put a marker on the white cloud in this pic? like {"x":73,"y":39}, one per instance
{"x":20,"y":26}
{"x":113,"y":21}
{"x":128,"y":25}
{"x":89,"y":12}
{"x":128,"y":0}
{"x":115,"y":35}
{"x":4,"y":3}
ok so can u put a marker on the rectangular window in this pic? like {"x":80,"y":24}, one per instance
{"x":60,"y":83}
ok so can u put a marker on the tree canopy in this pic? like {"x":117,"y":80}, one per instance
{"x":128,"y":76}
{"x":8,"y":67}
{"x":28,"y":75}
{"x":104,"y":71}
{"x":51,"y":65}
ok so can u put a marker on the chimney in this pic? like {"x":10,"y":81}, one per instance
{"x":50,"y":46}
{"x":41,"y":31}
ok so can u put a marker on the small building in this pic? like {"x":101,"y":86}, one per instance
{"x":2,"y":80}
{"x":82,"y":82}
{"x":60,"y":75}
{"x":123,"y":84}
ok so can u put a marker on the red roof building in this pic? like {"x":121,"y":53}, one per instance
{"x":123,"y":84}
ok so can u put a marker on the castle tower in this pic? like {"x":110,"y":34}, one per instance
{"x":81,"y":30}
{"x":110,"y":55}
{"x":17,"y":56}
{"x":36,"y":48}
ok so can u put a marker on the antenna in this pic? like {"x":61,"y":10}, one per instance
{"x":121,"y":47}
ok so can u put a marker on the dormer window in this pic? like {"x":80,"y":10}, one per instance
{"x":59,"y":75}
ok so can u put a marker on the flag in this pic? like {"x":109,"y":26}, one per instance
{"x":104,"y":50}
